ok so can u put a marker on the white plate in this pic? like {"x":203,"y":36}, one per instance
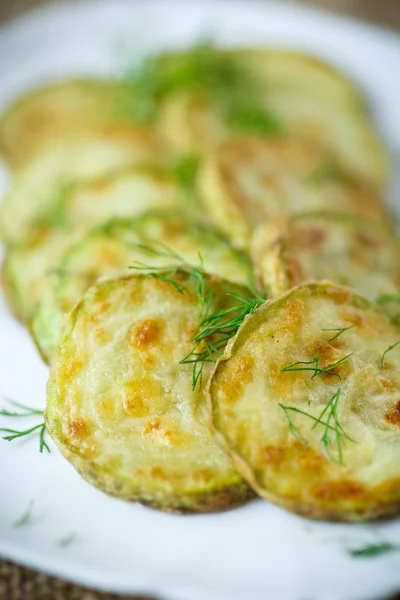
{"x":258,"y":552}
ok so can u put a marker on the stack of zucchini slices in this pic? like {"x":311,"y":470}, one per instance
{"x":203,"y":256}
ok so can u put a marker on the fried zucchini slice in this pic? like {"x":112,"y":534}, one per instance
{"x":277,"y":92}
{"x":306,"y":402}
{"x":348,"y":250}
{"x":120,"y":406}
{"x":56,"y":110}
{"x":30,"y":263}
{"x":153,"y":239}
{"x":71,"y":160}
{"x":248,"y":180}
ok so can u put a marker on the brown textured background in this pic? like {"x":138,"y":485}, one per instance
{"x":18,"y":583}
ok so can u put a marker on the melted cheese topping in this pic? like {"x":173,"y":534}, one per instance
{"x":248,"y":180}
{"x":121,"y":407}
{"x":291,"y":465}
{"x":349,"y":251}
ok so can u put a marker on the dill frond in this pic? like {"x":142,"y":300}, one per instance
{"x":313,"y":365}
{"x":386,"y":351}
{"x":331,"y":425}
{"x":25,"y":411}
{"x":340,"y":330}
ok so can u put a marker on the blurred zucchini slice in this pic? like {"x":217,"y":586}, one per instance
{"x":122,"y":193}
{"x":56,"y":110}
{"x":248,"y":180}
{"x":71,"y":160}
{"x":348,"y":250}
{"x":31,"y":264}
{"x":306,"y":402}
{"x":154,"y":239}
{"x":28,"y":269}
{"x":120,"y":406}
{"x":275,"y":92}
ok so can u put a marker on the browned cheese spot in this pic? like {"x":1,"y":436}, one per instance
{"x":335,"y":491}
{"x":308,"y":238}
{"x":232,"y":379}
{"x":393,"y":416}
{"x":142,"y":397}
{"x":387,"y":385}
{"x":78,"y":429}
{"x":147,"y":332}
{"x":294,"y":314}
{"x":294,"y":271}
{"x":367,"y":239}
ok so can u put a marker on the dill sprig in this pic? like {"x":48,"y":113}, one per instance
{"x":373,"y":549}
{"x":331,"y":425}
{"x":386,"y":351}
{"x":216,"y":325}
{"x":387,"y":298}
{"x":329,"y":172}
{"x":216,"y":329}
{"x":26,"y":517}
{"x":340,"y":330}
{"x":313,"y":365}
{"x":208,"y":72}
{"x":25,"y":411}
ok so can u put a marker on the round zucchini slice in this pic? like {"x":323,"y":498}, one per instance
{"x":278,"y":92}
{"x":52,"y":171}
{"x":123,"y":193}
{"x":306,"y":402}
{"x":121,"y":407}
{"x":154,"y":239}
{"x":29,"y":269}
{"x":248,"y":180}
{"x":348,"y":250}
{"x":57,"y":110}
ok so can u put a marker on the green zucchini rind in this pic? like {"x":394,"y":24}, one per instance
{"x":306,"y":402}
{"x":121,"y":408}
{"x":247,"y":180}
{"x":50,"y":174}
{"x":346,"y":249}
{"x":113,"y":247}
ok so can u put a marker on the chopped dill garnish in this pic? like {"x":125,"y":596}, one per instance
{"x":373,"y":549}
{"x":25,"y":518}
{"x":184,"y":170}
{"x":387,"y":298}
{"x":386,"y":351}
{"x":330,"y":424}
{"x":313,"y":365}
{"x":329,"y":172}
{"x":253,"y":119}
{"x":211,"y":74}
{"x":68,"y":540}
{"x":216,"y":329}
{"x":340,"y":330}
{"x":25,"y":411}
{"x":216,"y":325}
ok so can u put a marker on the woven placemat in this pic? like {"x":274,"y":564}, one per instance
{"x":19,"y":583}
